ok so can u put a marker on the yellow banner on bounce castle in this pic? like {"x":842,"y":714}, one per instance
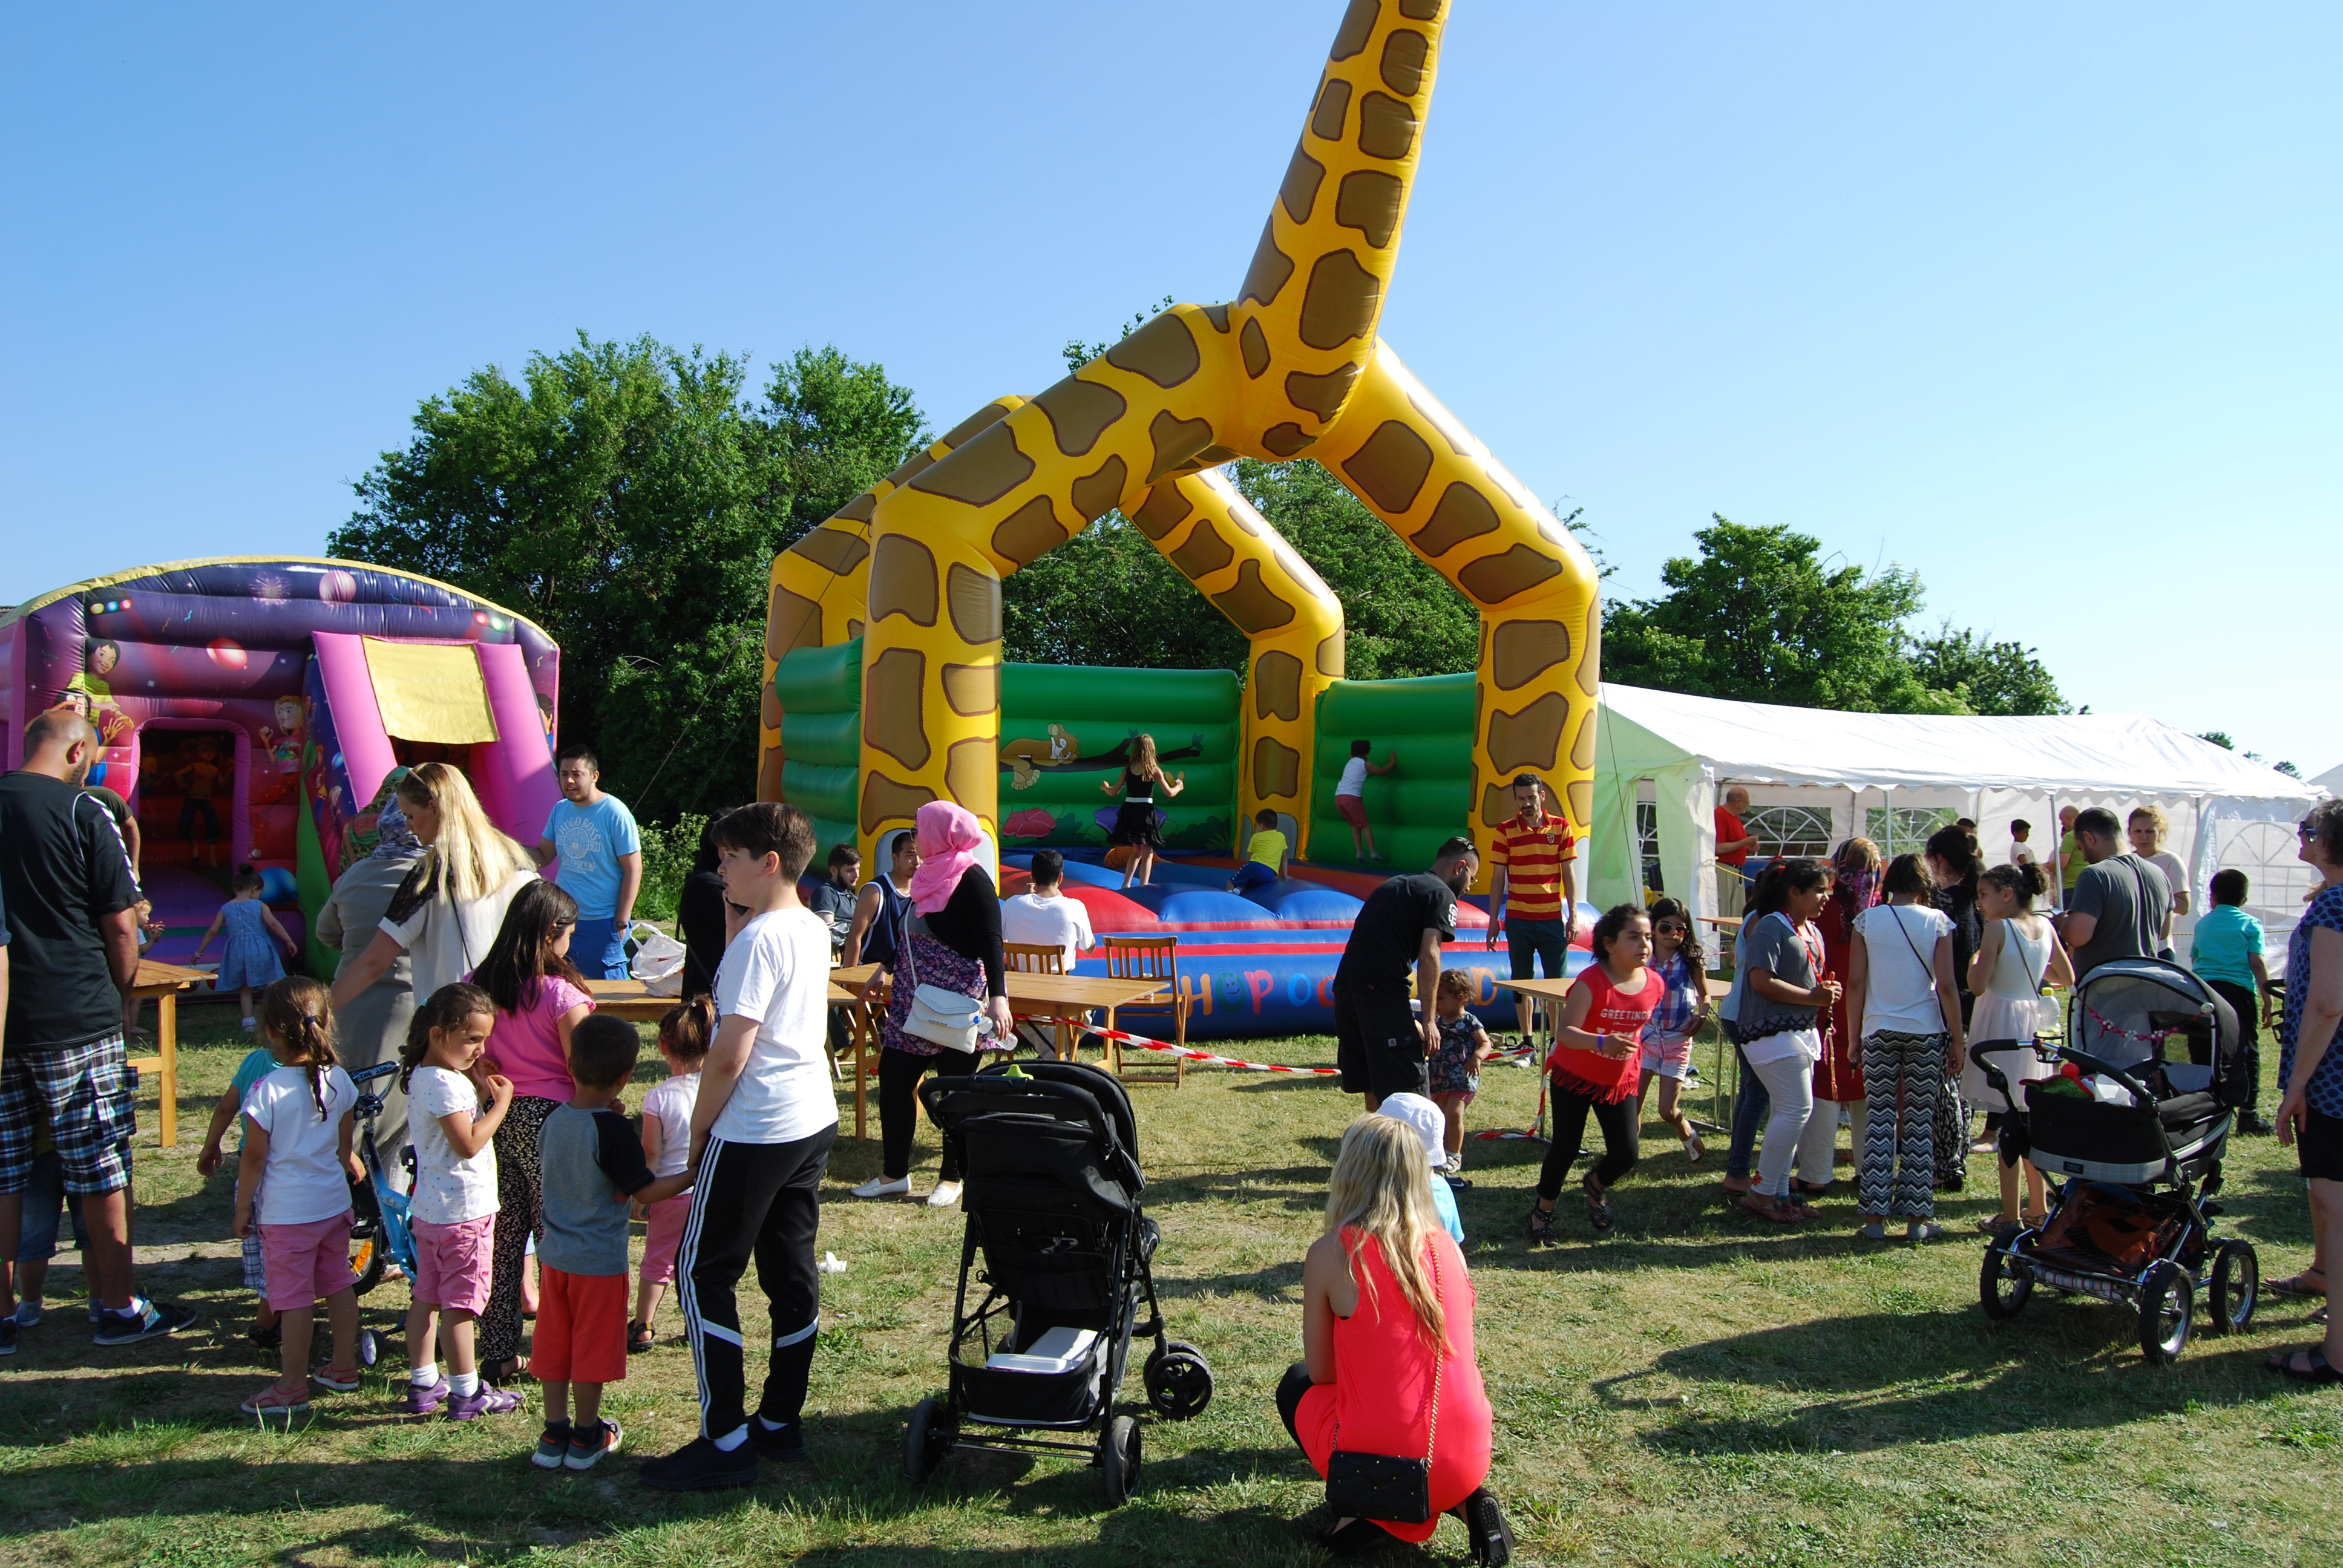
{"x":1293,"y":367}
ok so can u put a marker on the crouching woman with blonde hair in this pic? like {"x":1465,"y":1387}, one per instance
{"x":1388,"y":1368}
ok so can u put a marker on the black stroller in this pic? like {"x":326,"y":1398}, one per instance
{"x":1049,"y":1160}
{"x":2131,"y":1155}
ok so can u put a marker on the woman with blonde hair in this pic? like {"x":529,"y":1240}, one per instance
{"x":2145,"y":828}
{"x":449,"y":908}
{"x":1387,"y":1366}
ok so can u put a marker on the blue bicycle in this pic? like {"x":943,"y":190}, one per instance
{"x":380,"y":1233}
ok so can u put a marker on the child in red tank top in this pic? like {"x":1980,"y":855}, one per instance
{"x":1593,"y":1067}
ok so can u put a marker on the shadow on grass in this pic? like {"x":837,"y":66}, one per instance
{"x":1883,"y":1380}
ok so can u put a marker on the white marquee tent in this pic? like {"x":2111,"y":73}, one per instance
{"x":1663,"y":762}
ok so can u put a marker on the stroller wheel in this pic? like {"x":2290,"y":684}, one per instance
{"x":369,"y":1347}
{"x":2168,"y":1310}
{"x":2006,"y":1283}
{"x":926,"y":1440}
{"x":2237,"y":1287}
{"x":1179,"y":1384}
{"x":1118,"y":1458}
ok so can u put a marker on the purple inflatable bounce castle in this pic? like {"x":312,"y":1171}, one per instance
{"x":251,"y":709}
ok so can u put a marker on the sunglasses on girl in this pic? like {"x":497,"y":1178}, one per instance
{"x":1676,"y":926}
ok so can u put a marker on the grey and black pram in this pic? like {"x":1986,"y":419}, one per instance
{"x":2131,"y":1150}
{"x":1050,"y":1161}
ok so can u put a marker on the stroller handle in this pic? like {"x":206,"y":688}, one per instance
{"x":2090,"y":1063}
{"x":367,"y":1074}
{"x":1994,"y":1077}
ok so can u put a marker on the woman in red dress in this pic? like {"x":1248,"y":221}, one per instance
{"x":1838,"y":1076}
{"x":1387,"y":1343}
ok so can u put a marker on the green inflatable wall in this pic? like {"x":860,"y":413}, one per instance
{"x":820,"y":694}
{"x":1065,"y":729}
{"x":1428,"y":798}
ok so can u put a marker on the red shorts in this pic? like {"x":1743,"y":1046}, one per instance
{"x":453,"y":1264}
{"x":1352,"y":808}
{"x":581,"y":1327}
{"x":307,"y":1263}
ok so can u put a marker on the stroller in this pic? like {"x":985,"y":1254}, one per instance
{"x":380,"y":1231}
{"x":2131,"y":1153}
{"x":1051,"y":1200}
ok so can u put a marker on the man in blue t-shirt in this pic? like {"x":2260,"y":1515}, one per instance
{"x":601,"y":856}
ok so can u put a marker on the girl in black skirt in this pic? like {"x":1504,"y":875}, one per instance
{"x":1135,"y":825}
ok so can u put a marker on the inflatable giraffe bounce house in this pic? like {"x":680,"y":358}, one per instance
{"x":885,"y":685}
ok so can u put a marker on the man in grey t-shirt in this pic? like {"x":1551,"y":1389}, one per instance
{"x":2119,"y":902}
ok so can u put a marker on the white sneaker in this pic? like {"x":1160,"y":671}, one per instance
{"x":946,"y":1194}
{"x":247,"y":1026}
{"x":882,"y":1187}
{"x":29,"y":1314}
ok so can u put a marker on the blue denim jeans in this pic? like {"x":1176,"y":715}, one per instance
{"x":46,"y":1206}
{"x":1751,"y":1106}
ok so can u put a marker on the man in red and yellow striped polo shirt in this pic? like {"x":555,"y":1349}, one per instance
{"x":1535,"y":895}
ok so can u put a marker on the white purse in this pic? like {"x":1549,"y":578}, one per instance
{"x":951,"y":1019}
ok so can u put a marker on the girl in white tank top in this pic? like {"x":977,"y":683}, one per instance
{"x":2019,"y":955}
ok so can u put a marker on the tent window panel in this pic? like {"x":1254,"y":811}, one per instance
{"x":1791,"y":830}
{"x":1905,"y":829}
{"x":1647,"y":845}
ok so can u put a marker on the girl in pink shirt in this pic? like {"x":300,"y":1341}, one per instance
{"x":540,"y":998}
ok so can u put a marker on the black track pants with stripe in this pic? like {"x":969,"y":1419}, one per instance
{"x":761,"y":1202}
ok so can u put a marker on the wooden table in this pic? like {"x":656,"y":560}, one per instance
{"x":1028,"y":993}
{"x":632,"y":1000}
{"x":163,"y":982}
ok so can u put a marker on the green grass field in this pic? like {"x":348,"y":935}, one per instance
{"x":1692,"y":1390}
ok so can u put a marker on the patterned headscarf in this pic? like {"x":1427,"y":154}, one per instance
{"x":1856,"y":867}
{"x":394,"y":840}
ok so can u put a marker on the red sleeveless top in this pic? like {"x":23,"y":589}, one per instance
{"x":1590,"y":1072}
{"x":1382,"y":1395}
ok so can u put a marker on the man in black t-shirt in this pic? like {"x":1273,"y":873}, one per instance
{"x":73,"y":930}
{"x":1380,"y":1046}
{"x":2119,"y":902}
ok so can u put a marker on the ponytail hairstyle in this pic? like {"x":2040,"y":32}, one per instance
{"x":446,"y":1010}
{"x":687,"y":1029}
{"x":1695,"y":959}
{"x":469,"y":858}
{"x":522,"y":958}
{"x":248,"y":879}
{"x":1957,"y":847}
{"x":1906,"y":879}
{"x":2024,"y":881}
{"x":1776,"y":882}
{"x":299,"y":1012}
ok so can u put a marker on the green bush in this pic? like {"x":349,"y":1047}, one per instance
{"x":667,"y":861}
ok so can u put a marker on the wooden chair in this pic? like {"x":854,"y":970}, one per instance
{"x":1043,"y":958}
{"x":1157,"y":959}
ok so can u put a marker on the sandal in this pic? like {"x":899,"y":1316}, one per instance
{"x":1542,"y":1233}
{"x":2299,"y":1284}
{"x":1598,"y":1208}
{"x":340,"y":1380}
{"x":274,"y":1400}
{"x":638,"y":1338}
{"x":2315,"y":1369}
{"x":1766,"y":1208}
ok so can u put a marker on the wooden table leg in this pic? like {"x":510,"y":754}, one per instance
{"x":861,"y":1072}
{"x":166,"y":1031}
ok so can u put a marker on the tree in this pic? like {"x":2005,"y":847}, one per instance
{"x":2220,"y":737}
{"x":2004,"y":679}
{"x":1759,"y":617}
{"x":628,"y":498}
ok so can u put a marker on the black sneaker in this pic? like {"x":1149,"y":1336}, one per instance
{"x":783,"y":1444}
{"x":700,"y":1465}
{"x":2252,"y":1126}
{"x":7,"y":1336}
{"x":152,"y":1321}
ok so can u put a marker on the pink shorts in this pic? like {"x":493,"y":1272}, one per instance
{"x":666,"y":1235}
{"x":1667,"y":1057}
{"x":453,"y":1263}
{"x":1352,"y":808}
{"x":307,"y":1263}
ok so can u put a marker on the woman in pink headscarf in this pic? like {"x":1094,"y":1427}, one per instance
{"x":951,"y":940}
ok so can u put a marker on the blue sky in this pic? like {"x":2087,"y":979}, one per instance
{"x":2037,"y":301}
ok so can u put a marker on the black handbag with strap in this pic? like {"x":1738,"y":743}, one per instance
{"x":1388,"y":1487}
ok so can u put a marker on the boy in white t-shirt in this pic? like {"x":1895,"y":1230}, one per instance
{"x":760,"y":1134}
{"x":1045,"y":917}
